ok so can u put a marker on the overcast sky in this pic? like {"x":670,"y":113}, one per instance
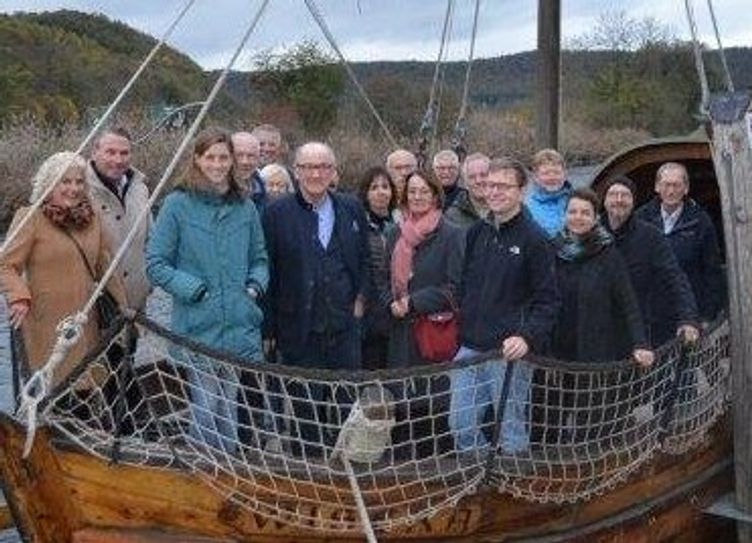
{"x":385,"y":29}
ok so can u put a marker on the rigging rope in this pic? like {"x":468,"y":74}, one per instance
{"x":428,"y":123}
{"x":319,"y":18}
{"x":98,"y":125}
{"x":31,"y":394}
{"x":460,"y":128}
{"x":721,"y":51}
{"x":699,"y":64}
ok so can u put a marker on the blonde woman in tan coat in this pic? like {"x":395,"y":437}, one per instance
{"x":43,"y":276}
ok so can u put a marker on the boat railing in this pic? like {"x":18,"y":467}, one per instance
{"x":289,"y":443}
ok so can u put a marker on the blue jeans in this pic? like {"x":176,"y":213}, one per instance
{"x":214,"y":406}
{"x":476,"y":389}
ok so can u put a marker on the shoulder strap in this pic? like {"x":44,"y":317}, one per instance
{"x":82,"y":253}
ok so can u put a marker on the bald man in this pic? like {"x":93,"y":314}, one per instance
{"x":317,"y":245}
{"x":246,"y":151}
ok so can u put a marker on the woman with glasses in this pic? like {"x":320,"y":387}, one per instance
{"x":425,"y":265}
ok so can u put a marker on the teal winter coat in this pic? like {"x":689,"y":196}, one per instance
{"x":206,"y":251}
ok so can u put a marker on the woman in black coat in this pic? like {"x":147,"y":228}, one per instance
{"x":424,"y":267}
{"x":379,"y":197}
{"x":599,"y":319}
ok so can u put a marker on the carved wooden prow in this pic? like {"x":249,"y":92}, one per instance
{"x":732,"y":156}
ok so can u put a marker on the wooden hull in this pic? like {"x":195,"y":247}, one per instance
{"x":59,"y":495}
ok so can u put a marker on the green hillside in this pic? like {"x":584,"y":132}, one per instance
{"x":60,"y":66}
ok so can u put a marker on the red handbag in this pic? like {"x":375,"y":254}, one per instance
{"x":437,"y":334}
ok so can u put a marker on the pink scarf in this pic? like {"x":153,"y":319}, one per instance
{"x":412,"y":233}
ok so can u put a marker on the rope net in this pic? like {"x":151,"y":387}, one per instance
{"x":299,"y":445}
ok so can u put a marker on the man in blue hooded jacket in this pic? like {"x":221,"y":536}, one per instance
{"x":548,"y":195}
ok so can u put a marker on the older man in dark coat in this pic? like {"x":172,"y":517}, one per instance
{"x":691,"y":235}
{"x":663,"y":291}
{"x":318,"y":256}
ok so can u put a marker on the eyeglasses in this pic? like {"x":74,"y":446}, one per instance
{"x":314,"y":167}
{"x":501,"y":187}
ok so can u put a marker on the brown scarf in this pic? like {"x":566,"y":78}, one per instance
{"x":76,"y":217}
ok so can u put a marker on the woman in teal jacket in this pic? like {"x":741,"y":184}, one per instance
{"x":207,"y":251}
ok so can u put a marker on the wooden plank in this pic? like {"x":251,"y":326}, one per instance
{"x":6,"y":520}
{"x":149,"y":498}
{"x":732,"y":155}
{"x":92,"y":535}
{"x":37,"y":499}
{"x":548,"y":74}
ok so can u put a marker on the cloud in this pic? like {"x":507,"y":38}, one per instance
{"x":382,"y":29}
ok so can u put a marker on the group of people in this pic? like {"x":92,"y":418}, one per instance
{"x":265,"y":260}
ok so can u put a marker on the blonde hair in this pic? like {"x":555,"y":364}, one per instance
{"x":53,"y":170}
{"x":547,"y":156}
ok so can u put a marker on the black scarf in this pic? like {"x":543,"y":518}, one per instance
{"x":574,"y":248}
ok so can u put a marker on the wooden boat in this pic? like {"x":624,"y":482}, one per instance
{"x":643,"y":469}
{"x":650,"y":480}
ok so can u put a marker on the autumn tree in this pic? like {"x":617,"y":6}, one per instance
{"x":309,"y":79}
{"x":646,"y":79}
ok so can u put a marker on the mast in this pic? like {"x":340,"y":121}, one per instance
{"x":732,"y":156}
{"x":548,"y":74}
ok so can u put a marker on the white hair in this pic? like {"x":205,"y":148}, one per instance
{"x":276,"y":169}
{"x":53,"y":170}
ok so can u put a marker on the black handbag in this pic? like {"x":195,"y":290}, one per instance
{"x":106,"y":306}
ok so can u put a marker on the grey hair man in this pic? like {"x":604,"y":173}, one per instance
{"x":691,"y":235}
{"x":470,"y":205}
{"x":446,"y":168}
{"x":270,"y":144}
{"x":246,"y":151}
{"x":318,"y":254}
{"x":400,"y":164}
{"x":119,"y":194}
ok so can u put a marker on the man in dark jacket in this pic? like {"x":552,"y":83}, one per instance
{"x":246,"y":155}
{"x":665,"y":297}
{"x":446,"y":168}
{"x":509,"y":301}
{"x":691,"y":235}
{"x":470,"y":205}
{"x":318,"y":257}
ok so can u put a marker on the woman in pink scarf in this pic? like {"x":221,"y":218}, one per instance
{"x":425,"y":267}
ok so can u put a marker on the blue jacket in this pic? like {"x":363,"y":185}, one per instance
{"x":548,"y":208}
{"x":508,"y":285}
{"x":695,"y":246}
{"x":291,"y":227}
{"x":206,"y":250}
{"x":662,"y":289}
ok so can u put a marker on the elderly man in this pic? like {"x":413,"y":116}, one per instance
{"x":400,"y":164}
{"x":246,"y":152}
{"x":690,"y":234}
{"x":119,"y":194}
{"x":663,"y":292}
{"x":270,"y":144}
{"x":316,"y":240}
{"x":548,"y":195}
{"x":470,"y":205}
{"x":509,"y":302}
{"x":446,"y":168}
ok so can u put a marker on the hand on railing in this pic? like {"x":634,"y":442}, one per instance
{"x":688,"y":334}
{"x":644,"y":358}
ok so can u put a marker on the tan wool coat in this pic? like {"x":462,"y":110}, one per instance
{"x":42,"y":265}
{"x":118,"y":217}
